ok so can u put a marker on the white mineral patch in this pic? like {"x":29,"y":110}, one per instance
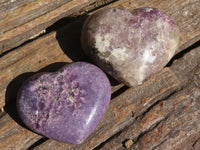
{"x":71,"y":99}
{"x":170,"y":40}
{"x":140,"y":73}
{"x":120,"y":53}
{"x":36,"y":112}
{"x":147,"y":57}
{"x":103,"y":42}
{"x":148,"y":9}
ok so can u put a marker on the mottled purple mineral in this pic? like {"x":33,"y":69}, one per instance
{"x":130,"y":45}
{"x":66,"y":105}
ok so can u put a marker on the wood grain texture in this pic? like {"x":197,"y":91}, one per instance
{"x":28,"y":12}
{"x":168,"y":125}
{"x":139,"y":110}
{"x":182,"y":122}
{"x":7,"y":6}
{"x":31,"y":20}
{"x":11,"y":138}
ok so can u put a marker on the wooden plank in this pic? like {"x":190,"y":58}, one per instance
{"x":168,"y":84}
{"x":182,"y":123}
{"x":16,"y":29}
{"x":11,"y":138}
{"x":2,"y":114}
{"x":6,"y":6}
{"x":36,"y":55}
{"x":120,"y":101}
{"x":27,"y":12}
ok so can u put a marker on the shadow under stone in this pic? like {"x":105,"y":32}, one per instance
{"x":69,"y":39}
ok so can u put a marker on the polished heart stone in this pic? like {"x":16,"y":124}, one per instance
{"x":130,"y":45}
{"x":66,"y":105}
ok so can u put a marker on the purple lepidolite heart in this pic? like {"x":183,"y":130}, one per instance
{"x":66,"y":105}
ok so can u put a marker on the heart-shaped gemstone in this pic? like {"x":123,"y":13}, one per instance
{"x":65,"y":105}
{"x":130,"y":45}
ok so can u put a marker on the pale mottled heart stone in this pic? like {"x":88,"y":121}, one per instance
{"x":130,"y":45}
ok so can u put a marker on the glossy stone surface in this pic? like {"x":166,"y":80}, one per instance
{"x":130,"y":45}
{"x":66,"y":105}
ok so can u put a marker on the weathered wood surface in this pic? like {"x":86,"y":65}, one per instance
{"x":26,"y":21}
{"x":172,"y":123}
{"x":13,"y":136}
{"x":138,"y":114}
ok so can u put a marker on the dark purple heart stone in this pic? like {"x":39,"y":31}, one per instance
{"x":66,"y":105}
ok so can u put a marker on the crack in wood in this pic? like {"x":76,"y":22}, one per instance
{"x":154,"y":148}
{"x":2,"y":114}
{"x":137,"y":139}
{"x":119,"y":92}
{"x":157,"y":102}
{"x":110,"y":138}
{"x":42,"y":140}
